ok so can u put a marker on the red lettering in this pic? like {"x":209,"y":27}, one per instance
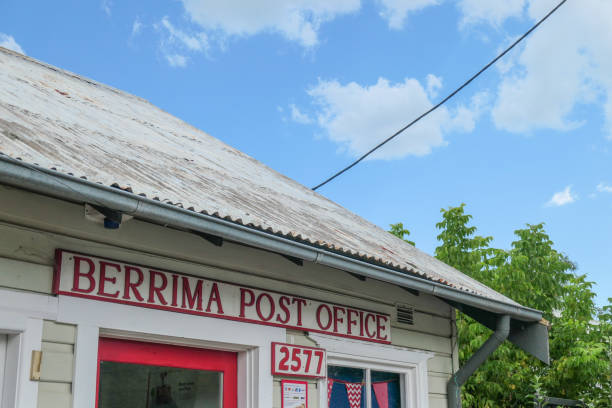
{"x":361,"y":323}
{"x":319,"y":354}
{"x":133,"y":286}
{"x":349,"y":320}
{"x":243,"y":302}
{"x":174,"y":290}
{"x":78,"y":274}
{"x":381,"y":327}
{"x":192,"y":297}
{"x":157,"y":290}
{"x":300,"y":303}
{"x":281,"y":303}
{"x":367,"y":325}
{"x":308,"y":353}
{"x":282,"y":365}
{"x":329,"y":316}
{"x":258,"y":307}
{"x":295,"y":358}
{"x":104,"y":279}
{"x":337,"y":318}
{"x":214,"y":296}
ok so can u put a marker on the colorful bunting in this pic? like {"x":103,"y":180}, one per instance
{"x":354,"y":394}
{"x":381,"y":391}
{"x":330,"y":385}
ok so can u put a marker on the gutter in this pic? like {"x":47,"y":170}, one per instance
{"x":26,"y":176}
{"x":453,"y":387}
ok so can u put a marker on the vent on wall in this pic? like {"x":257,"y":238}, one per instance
{"x":405,"y":314}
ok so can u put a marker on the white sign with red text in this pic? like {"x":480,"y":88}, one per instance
{"x":298,"y":361}
{"x":108,"y":280}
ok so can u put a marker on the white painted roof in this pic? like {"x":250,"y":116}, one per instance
{"x":61,"y":121}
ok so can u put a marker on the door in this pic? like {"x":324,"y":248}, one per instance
{"x":134,"y":374}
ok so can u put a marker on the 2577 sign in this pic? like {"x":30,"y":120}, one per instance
{"x":91,"y":277}
{"x":290,"y":360}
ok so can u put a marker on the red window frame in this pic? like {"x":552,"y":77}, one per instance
{"x":136,"y":352}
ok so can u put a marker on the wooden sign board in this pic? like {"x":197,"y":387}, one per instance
{"x":298,"y":361}
{"x":96,"y":278}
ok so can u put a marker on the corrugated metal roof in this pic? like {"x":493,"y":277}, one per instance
{"x":61,"y":121}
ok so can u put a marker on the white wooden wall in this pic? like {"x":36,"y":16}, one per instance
{"x":55,"y":388}
{"x":32,"y":227}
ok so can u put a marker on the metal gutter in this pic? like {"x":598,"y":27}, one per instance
{"x":23,"y":175}
{"x":453,"y":387}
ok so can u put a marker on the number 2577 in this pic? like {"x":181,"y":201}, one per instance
{"x":296,"y":360}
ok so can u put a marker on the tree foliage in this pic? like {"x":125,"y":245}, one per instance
{"x":533,"y":273}
{"x":399,"y":231}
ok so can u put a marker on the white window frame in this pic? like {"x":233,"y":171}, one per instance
{"x":95,"y":319}
{"x":410,"y":364}
{"x":21,"y":320}
{"x":3,"y":342}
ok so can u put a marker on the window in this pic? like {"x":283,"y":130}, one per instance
{"x":371,"y":370}
{"x":351,"y":387}
{"x":151,"y":375}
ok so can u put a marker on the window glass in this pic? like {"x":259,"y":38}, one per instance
{"x":385,"y":386}
{"x":148,"y":386}
{"x":341,"y":376}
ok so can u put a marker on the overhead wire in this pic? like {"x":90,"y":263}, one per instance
{"x":443,"y":101}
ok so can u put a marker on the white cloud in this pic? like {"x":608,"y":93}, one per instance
{"x":396,"y":11}
{"x":510,"y":60}
{"x":562,"y":198}
{"x":298,"y":116}
{"x":465,"y":117}
{"x":176,"y":60}
{"x":7,"y":41}
{"x":296,"y":20}
{"x":493,"y":12}
{"x":434,"y":84}
{"x":556,"y":69}
{"x":137,"y":26}
{"x":604,"y":188}
{"x":175,"y":42}
{"x":358,"y":117}
{"x":193,"y":42}
{"x":106,"y":6}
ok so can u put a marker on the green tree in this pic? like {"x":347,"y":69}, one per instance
{"x":460,"y":248}
{"x":399,"y":231}
{"x":504,"y":379}
{"x":534,"y":274}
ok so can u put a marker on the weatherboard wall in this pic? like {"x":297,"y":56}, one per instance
{"x":33,"y":226}
{"x":55,"y":388}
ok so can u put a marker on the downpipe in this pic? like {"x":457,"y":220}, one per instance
{"x":453,"y":387}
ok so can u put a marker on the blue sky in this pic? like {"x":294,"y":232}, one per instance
{"x":305,"y":86}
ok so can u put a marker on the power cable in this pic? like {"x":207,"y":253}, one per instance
{"x":455,"y":92}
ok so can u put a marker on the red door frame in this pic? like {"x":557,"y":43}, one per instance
{"x":136,"y":352}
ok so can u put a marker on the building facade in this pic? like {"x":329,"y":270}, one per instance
{"x":243,"y":289}
{"x":67,"y":329}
